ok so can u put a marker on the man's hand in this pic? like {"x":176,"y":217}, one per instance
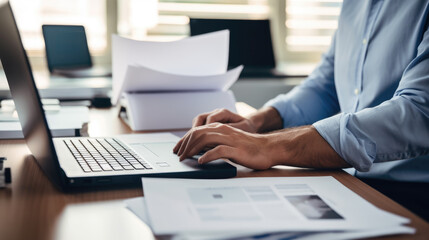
{"x":247,"y":149}
{"x":301,"y":147}
{"x":265,"y":119}
{"x":225,"y":116}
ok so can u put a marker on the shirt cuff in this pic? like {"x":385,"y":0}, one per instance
{"x":348,"y":141}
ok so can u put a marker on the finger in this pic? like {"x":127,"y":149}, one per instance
{"x":199,"y":120}
{"x":198,"y":131}
{"x":197,"y":144}
{"x":202,"y":118}
{"x":178,"y":144}
{"x":223,"y":116}
{"x":185,"y":142}
{"x":220,"y":151}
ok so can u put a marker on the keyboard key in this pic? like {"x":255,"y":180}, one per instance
{"x":123,"y":162}
{"x":147,"y":166}
{"x":117,"y":168}
{"x":128,"y":167}
{"x":138,"y":166}
{"x":106,"y":167}
{"x":86,"y":169}
{"x":96,"y":169}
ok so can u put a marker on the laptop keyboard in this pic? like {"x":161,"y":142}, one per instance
{"x":104,"y":154}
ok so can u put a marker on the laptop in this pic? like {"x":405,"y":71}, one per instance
{"x":67,"y":52}
{"x":250,"y":44}
{"x":84,"y":162}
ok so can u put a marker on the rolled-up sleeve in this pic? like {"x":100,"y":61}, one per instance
{"x":312,"y":100}
{"x":396,"y":129}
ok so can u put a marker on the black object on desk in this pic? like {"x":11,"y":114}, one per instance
{"x":67,"y":52}
{"x":5,"y":174}
{"x":250,"y":44}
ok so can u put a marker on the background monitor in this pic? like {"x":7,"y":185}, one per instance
{"x":250,"y":40}
{"x":66,"y":47}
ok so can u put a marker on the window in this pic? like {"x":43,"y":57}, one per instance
{"x":309,"y":26}
{"x":32,"y":14}
{"x":301,"y":29}
{"x":166,"y":20}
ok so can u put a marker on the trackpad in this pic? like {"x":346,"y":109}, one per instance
{"x":163,"y":150}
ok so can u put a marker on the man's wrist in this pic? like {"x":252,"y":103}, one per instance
{"x":255,"y":122}
{"x":303,"y":147}
{"x":266,"y":119}
{"x":288,"y":146}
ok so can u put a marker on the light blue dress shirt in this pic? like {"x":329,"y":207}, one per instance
{"x":369,"y":96}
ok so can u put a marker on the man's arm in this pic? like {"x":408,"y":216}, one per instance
{"x":307,"y":103}
{"x":396,"y":129}
{"x":314,"y":99}
{"x":301,"y":147}
{"x":304,"y":147}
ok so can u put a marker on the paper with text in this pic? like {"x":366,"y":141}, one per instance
{"x":138,"y":207}
{"x":261,"y":204}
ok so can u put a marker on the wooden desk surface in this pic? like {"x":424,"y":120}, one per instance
{"x":31,"y":206}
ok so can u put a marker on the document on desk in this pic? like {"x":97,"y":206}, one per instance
{"x":138,"y":207}
{"x":288,"y":204}
{"x":202,"y":55}
{"x":156,"y":81}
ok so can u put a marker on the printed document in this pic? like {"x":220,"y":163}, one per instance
{"x":138,"y":207}
{"x":285,"y":204}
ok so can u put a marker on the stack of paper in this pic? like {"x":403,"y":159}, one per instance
{"x":164,"y":85}
{"x":269,"y":208}
{"x":194,"y":63}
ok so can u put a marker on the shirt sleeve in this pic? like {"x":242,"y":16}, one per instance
{"x":396,"y":129}
{"x":314,"y":99}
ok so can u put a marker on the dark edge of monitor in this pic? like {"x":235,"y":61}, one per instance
{"x":57,"y":177}
{"x":50,"y":67}
{"x":272,"y":58}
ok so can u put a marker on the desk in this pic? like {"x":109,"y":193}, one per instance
{"x":54,"y":86}
{"x":31,"y":206}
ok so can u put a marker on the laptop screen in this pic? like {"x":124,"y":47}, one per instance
{"x":25,"y":95}
{"x":250,"y":40}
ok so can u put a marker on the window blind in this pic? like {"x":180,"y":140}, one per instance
{"x":172,"y":20}
{"x":310,"y":24}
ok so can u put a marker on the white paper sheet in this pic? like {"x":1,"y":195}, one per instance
{"x":138,"y":207}
{"x":262,"y":204}
{"x":189,"y":56}
{"x":143,"y":79}
{"x":173,"y":110}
